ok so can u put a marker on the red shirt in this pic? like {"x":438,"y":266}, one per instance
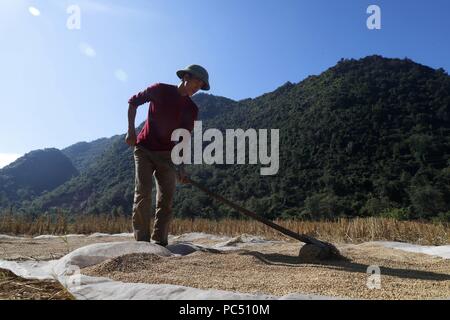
{"x":168,"y":111}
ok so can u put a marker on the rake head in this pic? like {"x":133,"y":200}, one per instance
{"x":319,"y":252}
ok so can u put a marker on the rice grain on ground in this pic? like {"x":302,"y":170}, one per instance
{"x":277,"y":270}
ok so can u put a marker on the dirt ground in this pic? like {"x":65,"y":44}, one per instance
{"x":272,"y":268}
{"x":47,"y":249}
{"x":13,"y":287}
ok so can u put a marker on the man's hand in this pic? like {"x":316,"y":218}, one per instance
{"x":131,"y":138}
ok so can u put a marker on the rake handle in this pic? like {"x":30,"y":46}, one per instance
{"x":289,"y":233}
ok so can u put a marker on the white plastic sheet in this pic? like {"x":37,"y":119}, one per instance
{"x":67,"y":269}
{"x":439,"y":251}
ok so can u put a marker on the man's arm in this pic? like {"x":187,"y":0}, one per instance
{"x":131,"y":138}
{"x":134,"y":102}
{"x":145,"y":96}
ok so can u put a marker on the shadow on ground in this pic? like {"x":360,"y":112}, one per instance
{"x":345,"y":265}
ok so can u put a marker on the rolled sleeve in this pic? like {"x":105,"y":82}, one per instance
{"x":147,"y":95}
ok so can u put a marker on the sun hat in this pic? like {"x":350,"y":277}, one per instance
{"x":198,"y":72}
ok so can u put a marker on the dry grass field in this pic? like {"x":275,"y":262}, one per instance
{"x":405,"y":275}
{"x":356,"y":230}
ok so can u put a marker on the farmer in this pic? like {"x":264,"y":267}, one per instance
{"x":170,"y":108}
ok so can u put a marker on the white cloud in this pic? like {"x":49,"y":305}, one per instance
{"x":34,"y":11}
{"x":7,"y":158}
{"x":87,"y":50}
{"x":121,"y":75}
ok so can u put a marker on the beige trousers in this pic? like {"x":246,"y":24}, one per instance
{"x":146,"y":167}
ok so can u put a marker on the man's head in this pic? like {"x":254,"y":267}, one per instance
{"x":193,"y":78}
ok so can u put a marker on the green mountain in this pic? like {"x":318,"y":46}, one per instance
{"x":84,"y":154}
{"x":366,"y":137}
{"x":211,"y":106}
{"x":34,"y":174}
{"x":363,"y":137}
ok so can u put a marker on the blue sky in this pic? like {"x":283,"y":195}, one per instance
{"x":61,"y":86}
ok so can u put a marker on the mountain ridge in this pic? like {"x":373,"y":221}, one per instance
{"x":363,"y":137}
